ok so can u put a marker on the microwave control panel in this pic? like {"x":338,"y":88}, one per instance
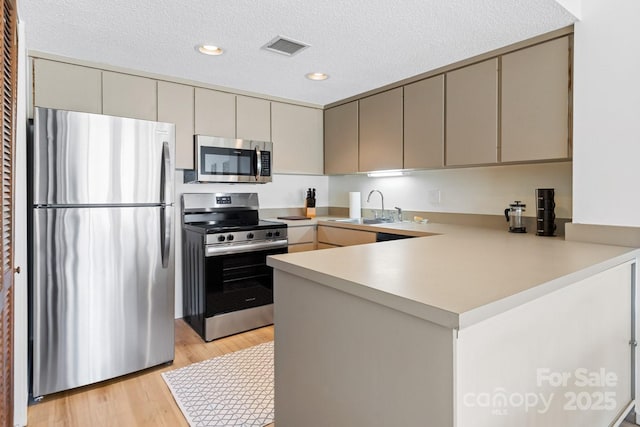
{"x":265,"y":159}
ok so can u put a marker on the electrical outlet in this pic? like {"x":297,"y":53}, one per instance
{"x":433,"y":196}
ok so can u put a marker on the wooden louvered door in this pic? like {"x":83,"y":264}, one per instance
{"x":8,"y":56}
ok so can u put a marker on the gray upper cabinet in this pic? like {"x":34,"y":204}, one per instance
{"x":253,"y":118}
{"x":129,"y":96}
{"x":175,"y":105}
{"x":67,"y":87}
{"x":381,"y":131}
{"x":341,"y":139}
{"x":424,"y":123}
{"x":472,"y":114}
{"x":215,"y":113}
{"x":535,"y":102}
{"x":297,"y":139}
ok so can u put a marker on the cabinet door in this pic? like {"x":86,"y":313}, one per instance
{"x":535,"y":102}
{"x":424,"y":123}
{"x":381,"y":131}
{"x":215,"y":113}
{"x":175,"y":105}
{"x":341,"y":139}
{"x":472,"y":114}
{"x":297,"y":139}
{"x":254,"y":118}
{"x":66,"y":86}
{"x":129,"y":96}
{"x":302,"y":239}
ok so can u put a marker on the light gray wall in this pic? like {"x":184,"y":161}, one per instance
{"x":485,"y":190}
{"x":606,"y":105}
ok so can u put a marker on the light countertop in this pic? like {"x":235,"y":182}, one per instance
{"x":457,"y":275}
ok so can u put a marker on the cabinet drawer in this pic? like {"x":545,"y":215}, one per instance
{"x":326,"y":246}
{"x":344,"y":236}
{"x":302,"y":247}
{"x":301,"y":234}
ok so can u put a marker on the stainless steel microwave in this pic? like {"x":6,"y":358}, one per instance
{"x":232,"y":160}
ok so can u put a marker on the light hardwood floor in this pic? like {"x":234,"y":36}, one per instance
{"x":140,"y":399}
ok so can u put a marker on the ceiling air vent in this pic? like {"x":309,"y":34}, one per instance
{"x":285,"y":46}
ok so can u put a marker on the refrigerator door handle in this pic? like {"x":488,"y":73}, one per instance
{"x":166,"y":177}
{"x":165,"y":235}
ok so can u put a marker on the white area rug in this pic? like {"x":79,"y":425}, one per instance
{"x":235,"y":389}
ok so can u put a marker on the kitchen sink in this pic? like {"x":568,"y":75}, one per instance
{"x":364,"y":220}
{"x":377,"y":220}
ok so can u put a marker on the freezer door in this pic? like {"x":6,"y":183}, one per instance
{"x":103,"y":304}
{"x":83,"y":158}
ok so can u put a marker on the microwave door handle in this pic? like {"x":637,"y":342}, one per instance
{"x":258,"y":163}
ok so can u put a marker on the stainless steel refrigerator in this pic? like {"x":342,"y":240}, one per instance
{"x":101,"y":246}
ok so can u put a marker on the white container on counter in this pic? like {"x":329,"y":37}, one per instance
{"x":355,"y":205}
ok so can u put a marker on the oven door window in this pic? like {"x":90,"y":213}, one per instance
{"x":227,"y":161}
{"x":238,"y":281}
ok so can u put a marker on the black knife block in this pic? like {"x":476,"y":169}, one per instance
{"x":545,"y":212}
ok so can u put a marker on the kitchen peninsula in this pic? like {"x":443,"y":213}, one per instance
{"x":463,"y":327}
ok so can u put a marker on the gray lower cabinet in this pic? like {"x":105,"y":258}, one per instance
{"x":472,"y":114}
{"x":535,"y":102}
{"x":381,"y":131}
{"x":214,"y":113}
{"x":253,"y":120}
{"x":424,"y":124}
{"x":341,"y":139}
{"x":175,"y":105}
{"x":296,"y":133}
{"x":67,"y":86}
{"x":302,"y":239}
{"x":129,"y":96}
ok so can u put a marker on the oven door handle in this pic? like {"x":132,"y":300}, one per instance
{"x":243,"y":248}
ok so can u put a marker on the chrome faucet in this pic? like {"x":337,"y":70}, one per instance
{"x":399,"y":213}
{"x":381,"y":198}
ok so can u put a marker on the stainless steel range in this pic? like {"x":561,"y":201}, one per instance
{"x":227,"y":285}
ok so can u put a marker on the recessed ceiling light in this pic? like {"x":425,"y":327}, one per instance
{"x":208,"y":49}
{"x":317,"y":76}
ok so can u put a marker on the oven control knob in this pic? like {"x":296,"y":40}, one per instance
{"x":277,"y":234}
{"x":220,"y":238}
{"x":269,"y":234}
{"x":250,"y":236}
{"x":230,"y":237}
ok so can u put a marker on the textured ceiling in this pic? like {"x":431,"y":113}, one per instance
{"x":361,"y":44}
